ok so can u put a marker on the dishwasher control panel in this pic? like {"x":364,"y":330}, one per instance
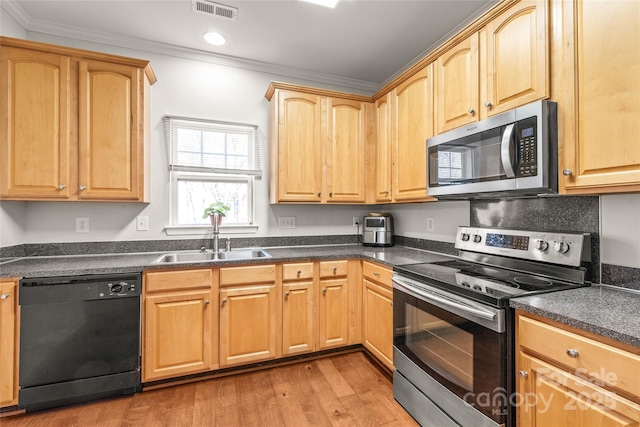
{"x":122,"y":288}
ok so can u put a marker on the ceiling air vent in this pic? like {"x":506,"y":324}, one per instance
{"x":219,"y":10}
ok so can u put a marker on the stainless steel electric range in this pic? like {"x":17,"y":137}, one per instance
{"x":454,"y":330}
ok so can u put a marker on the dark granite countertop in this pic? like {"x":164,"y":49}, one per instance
{"x":68,"y":265}
{"x":609,"y":311}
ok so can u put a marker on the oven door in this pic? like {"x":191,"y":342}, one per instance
{"x":460,"y":344}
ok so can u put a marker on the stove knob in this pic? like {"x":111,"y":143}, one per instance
{"x":464,"y":237}
{"x":477,"y":238}
{"x":561,"y":247}
{"x":466,"y":284}
{"x":477,"y":287}
{"x":542,"y":245}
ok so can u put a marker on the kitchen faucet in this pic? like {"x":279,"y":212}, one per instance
{"x":216,"y":232}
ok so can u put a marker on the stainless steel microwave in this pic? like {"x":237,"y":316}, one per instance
{"x":511,"y":154}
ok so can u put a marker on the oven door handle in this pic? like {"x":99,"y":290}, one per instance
{"x":432,"y":296}
{"x":506,"y":149}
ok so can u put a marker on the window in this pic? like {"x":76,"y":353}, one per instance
{"x":211,"y":161}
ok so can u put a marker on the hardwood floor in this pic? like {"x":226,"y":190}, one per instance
{"x":342,"y":390}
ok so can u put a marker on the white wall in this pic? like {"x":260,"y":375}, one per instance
{"x":620,"y":234}
{"x":410,"y":220}
{"x":10,"y":27}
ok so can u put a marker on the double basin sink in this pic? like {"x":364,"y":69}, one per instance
{"x":208,"y":256}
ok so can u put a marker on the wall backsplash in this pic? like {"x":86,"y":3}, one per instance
{"x":557,"y":214}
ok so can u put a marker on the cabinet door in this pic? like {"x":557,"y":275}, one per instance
{"x":111,"y":131}
{"x":413,"y":124}
{"x":334,"y":313}
{"x":548,"y":396}
{"x":248,"y":324}
{"x":36,"y":117}
{"x":8,"y":342}
{"x":601,"y":98}
{"x":381,"y":176}
{"x":517,"y":64}
{"x":345,"y":151}
{"x":177,"y":334}
{"x":301,"y":141}
{"x":377,"y":307}
{"x":457,"y":81}
{"x":298,"y":326}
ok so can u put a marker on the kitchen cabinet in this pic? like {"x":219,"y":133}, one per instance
{"x":596,"y":49}
{"x":250,"y":314}
{"x":377,"y":312}
{"x":567,"y":378}
{"x":64,"y":111}
{"x":502,"y":66}
{"x":412,"y":124}
{"x":317,"y":145}
{"x":299,"y":289}
{"x":9,"y":337}
{"x":333,"y":304}
{"x":381,"y":172}
{"x":180,"y":336}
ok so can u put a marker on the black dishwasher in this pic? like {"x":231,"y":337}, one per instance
{"x":79,"y":339}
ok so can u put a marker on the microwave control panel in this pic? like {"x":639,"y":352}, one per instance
{"x":527,"y":137}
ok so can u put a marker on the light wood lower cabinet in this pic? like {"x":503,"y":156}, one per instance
{"x":8,"y":342}
{"x":333,"y":304}
{"x":249,"y":314}
{"x":179,"y":334}
{"x":377,"y":312}
{"x":565,"y":378}
{"x":299,"y":289}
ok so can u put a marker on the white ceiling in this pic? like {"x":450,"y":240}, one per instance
{"x":364,"y":42}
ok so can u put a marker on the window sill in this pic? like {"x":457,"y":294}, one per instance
{"x":179,"y":230}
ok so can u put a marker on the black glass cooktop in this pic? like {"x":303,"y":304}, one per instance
{"x":481,"y":282}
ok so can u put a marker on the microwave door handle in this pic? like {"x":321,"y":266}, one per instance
{"x":505,"y":151}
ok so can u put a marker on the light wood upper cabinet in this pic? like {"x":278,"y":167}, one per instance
{"x":412,"y":120}
{"x":381,"y":171}
{"x":598,"y":94}
{"x":514,"y":51}
{"x":9,"y":342}
{"x":64,"y":111}
{"x":179,"y":308}
{"x":318,"y":142}
{"x":457,"y":84}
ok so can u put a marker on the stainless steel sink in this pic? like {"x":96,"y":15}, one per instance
{"x":199,"y":256}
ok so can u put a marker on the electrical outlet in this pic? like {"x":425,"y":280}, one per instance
{"x":82,"y":224}
{"x":286,"y":222}
{"x":356,"y":221}
{"x":142,"y":223}
{"x":431,"y":224}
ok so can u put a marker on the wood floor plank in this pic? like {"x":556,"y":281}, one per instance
{"x":345,"y":390}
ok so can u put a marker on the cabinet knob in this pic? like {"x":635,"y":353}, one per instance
{"x":567,"y":172}
{"x":319,"y":194}
{"x":335,"y":270}
{"x":375,"y":273}
{"x":224,"y":301}
{"x":572,"y":353}
{"x":83,"y":187}
{"x":299,"y":272}
{"x":61,"y":187}
{"x":488,"y":104}
{"x":286,"y":294}
{"x":324,"y":290}
{"x":523,"y":374}
{"x":5,"y":296}
{"x":471,"y":111}
{"x":386,"y":191}
{"x":331,"y":194}
{"x":206,"y":302}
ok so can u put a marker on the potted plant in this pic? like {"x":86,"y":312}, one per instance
{"x":217,"y":207}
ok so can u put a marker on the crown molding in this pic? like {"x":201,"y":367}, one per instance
{"x":110,"y":39}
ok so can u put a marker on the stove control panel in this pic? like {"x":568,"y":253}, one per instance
{"x":569,"y":249}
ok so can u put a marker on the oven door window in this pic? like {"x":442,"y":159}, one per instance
{"x":466,"y":358}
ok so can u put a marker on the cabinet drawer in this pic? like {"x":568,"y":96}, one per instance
{"x":247,"y":274}
{"x":178,"y":280}
{"x":588,"y":358}
{"x":377,"y":273}
{"x":296,"y":271}
{"x":333,"y":268}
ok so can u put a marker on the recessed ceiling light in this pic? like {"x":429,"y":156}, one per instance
{"x":215,"y":39}
{"x":326,"y":3}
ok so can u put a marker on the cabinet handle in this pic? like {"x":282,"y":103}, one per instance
{"x":224,"y":301}
{"x":61,"y":187}
{"x":471,"y":111}
{"x":386,"y":191}
{"x":5,"y":296}
{"x":567,"y":172}
{"x":286,"y":294}
{"x":83,"y":187}
{"x":573,"y":353}
{"x":523,"y":374}
{"x":488,"y":104}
